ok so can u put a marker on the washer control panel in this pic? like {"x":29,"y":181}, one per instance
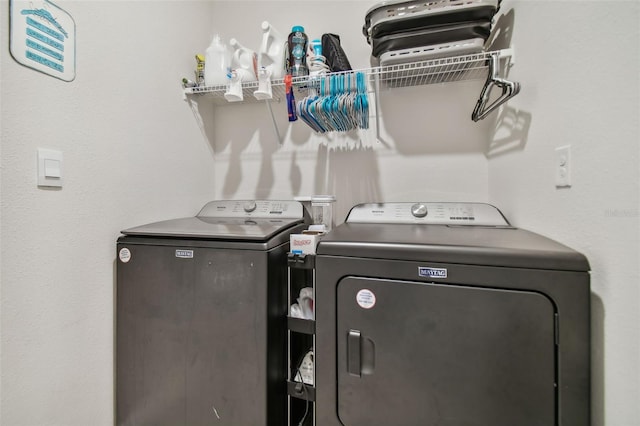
{"x":469,"y":214}
{"x":266,"y":209}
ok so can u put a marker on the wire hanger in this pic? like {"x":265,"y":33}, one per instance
{"x":509,"y":90}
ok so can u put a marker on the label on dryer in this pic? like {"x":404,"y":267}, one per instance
{"x":366,"y":299}
{"x":428,"y":272}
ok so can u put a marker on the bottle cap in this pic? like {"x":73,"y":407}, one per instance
{"x":297,"y":29}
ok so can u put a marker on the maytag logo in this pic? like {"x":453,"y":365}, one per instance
{"x":427,"y":272}
{"x":184,"y":254}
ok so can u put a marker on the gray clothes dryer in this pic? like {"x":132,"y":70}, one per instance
{"x":444,"y":314}
{"x":201,"y":308}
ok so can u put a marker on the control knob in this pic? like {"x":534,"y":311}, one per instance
{"x":249,"y":206}
{"x":419,"y":210}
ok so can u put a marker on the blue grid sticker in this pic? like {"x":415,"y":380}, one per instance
{"x":43,"y":37}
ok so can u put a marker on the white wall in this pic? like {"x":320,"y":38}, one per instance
{"x":578,"y":62}
{"x":133,"y":153}
{"x":429,"y":150}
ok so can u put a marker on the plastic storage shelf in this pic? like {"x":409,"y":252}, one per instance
{"x":300,"y":325}
{"x":301,"y":338}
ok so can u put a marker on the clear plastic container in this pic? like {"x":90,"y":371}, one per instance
{"x":297,"y":52}
{"x":322,"y":210}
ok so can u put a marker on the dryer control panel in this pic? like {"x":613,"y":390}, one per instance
{"x":265,"y":209}
{"x":467,"y":214}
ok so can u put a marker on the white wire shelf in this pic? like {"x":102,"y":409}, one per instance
{"x":444,"y":70}
{"x":216,"y":93}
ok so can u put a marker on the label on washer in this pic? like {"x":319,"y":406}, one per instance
{"x":366,"y":299}
{"x":428,"y":272}
{"x":184,"y":254}
{"x":124,"y":255}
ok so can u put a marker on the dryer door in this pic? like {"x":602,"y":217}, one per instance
{"x":411,"y":353}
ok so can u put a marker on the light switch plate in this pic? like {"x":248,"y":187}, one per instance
{"x":49,"y":168}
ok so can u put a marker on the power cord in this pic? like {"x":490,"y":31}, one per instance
{"x":302,"y":386}
{"x":306,"y":406}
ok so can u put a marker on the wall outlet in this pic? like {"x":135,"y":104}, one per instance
{"x":563,"y":166}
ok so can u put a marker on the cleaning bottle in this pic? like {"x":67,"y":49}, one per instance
{"x":199,"y":69}
{"x":272,"y":49}
{"x":297,"y":52}
{"x":291,"y":100}
{"x":244,"y":61}
{"x":216,"y":66}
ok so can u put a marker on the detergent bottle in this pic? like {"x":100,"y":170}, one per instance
{"x":244,"y":61}
{"x":272,"y":51}
{"x":216,"y":65}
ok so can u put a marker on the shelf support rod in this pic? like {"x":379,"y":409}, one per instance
{"x":273,"y":120}
{"x":376,"y":93}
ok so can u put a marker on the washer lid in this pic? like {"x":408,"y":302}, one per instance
{"x":229,"y":220}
